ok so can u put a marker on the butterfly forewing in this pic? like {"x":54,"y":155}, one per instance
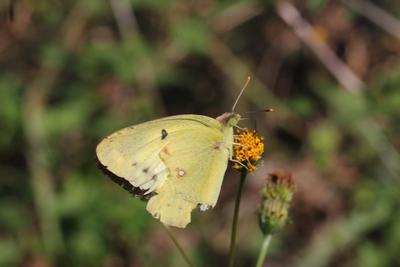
{"x":181,"y":158}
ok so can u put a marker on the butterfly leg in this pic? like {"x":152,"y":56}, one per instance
{"x":240,"y":128}
{"x":238,"y":162}
{"x":238,"y":144}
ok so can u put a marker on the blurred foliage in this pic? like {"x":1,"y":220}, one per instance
{"x":75,"y":71}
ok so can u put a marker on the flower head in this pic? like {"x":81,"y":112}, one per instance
{"x":276,"y":197}
{"x":247,"y":150}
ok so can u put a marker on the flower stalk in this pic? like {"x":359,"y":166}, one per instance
{"x":263,"y":250}
{"x":231,"y":257}
{"x":247,"y":151}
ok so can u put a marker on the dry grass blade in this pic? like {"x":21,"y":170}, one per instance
{"x":306,"y":33}
{"x":377,"y":15}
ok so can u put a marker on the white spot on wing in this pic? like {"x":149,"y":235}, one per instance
{"x":204,"y":207}
{"x":180,"y":172}
{"x":160,"y":167}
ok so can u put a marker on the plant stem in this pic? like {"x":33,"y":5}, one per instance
{"x":263,"y":251}
{"x":235,"y":219}
{"x":178,"y":246}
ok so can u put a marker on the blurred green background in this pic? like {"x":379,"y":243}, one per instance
{"x":74,"y":71}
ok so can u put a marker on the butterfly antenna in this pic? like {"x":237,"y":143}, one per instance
{"x":258,"y":111}
{"x":241,"y":92}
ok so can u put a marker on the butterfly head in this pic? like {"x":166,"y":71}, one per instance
{"x":229,"y":119}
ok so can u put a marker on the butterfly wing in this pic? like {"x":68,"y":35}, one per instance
{"x":181,"y":158}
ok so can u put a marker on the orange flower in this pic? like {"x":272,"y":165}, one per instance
{"x":247,"y":150}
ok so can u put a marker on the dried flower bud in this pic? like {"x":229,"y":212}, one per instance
{"x":247,"y":150}
{"x":276,"y":197}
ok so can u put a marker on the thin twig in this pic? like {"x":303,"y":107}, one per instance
{"x":178,"y":246}
{"x":377,"y":15}
{"x":234,"y":16}
{"x":345,"y":76}
{"x":124,"y":17}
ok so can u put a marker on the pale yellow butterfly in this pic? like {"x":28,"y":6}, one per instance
{"x":177,"y":162}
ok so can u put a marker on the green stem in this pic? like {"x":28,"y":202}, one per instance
{"x":235,"y":219}
{"x":263,"y":251}
{"x":180,"y":249}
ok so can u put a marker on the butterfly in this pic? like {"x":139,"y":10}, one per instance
{"x":177,"y":162}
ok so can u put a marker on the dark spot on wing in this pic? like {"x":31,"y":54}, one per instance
{"x":154,"y":177}
{"x":146,"y":170}
{"x":163,"y":134}
{"x":134,"y":164}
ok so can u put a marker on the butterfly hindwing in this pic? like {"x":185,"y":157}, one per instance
{"x":181,"y":158}
{"x":197,"y":164}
